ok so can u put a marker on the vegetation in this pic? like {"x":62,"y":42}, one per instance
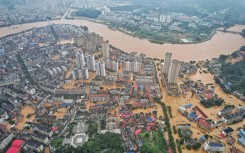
{"x":167,"y":121}
{"x":70,"y":130}
{"x":89,"y":13}
{"x":179,"y":146}
{"x":12,"y":122}
{"x":197,"y":145}
{"x":106,"y":143}
{"x":170,"y":111}
{"x":57,"y":142}
{"x":155,"y":143}
{"x":233,"y":73}
{"x":29,"y":116}
{"x":174,"y":128}
{"x":179,"y":133}
{"x":212,"y":102}
{"x":92,"y":129}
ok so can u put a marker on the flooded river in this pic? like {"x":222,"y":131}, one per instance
{"x":221,"y":43}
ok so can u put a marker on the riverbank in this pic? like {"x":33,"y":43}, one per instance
{"x":156,"y":41}
{"x":220,"y":43}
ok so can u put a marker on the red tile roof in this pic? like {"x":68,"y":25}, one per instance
{"x":137,"y":132}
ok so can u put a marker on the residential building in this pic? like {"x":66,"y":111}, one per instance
{"x":204,"y":124}
{"x":227,"y":131}
{"x":111,"y":65}
{"x":99,"y":97}
{"x":214,"y":147}
{"x":44,"y":128}
{"x":227,"y":109}
{"x":174,"y":71}
{"x":145,"y":80}
{"x":40,"y":137}
{"x":133,"y":66}
{"x":106,"y":50}
{"x":83,"y":73}
{"x":5,"y":140}
{"x":90,"y":62}
{"x":241,"y":138}
{"x":167,"y":63}
{"x":235,"y":117}
{"x":80,"y":60}
{"x":33,"y":145}
{"x":100,"y":69}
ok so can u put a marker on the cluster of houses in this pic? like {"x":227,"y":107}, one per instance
{"x":29,"y":11}
{"x":132,"y":125}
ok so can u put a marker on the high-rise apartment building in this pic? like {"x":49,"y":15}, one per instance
{"x":133,"y":66}
{"x":111,"y":65}
{"x":83,"y":73}
{"x":90,"y":62}
{"x":80,"y":74}
{"x":167,"y":63}
{"x":174,"y":71}
{"x":106,"y":50}
{"x":80,"y":60}
{"x":100,"y":69}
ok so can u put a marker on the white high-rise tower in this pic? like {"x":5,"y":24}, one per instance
{"x":80,"y":60}
{"x":106,"y":50}
{"x":167,"y":63}
{"x":174,"y":71}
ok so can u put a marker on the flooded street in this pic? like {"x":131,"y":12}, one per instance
{"x":220,"y":43}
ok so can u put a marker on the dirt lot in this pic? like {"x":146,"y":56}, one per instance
{"x":25,"y":111}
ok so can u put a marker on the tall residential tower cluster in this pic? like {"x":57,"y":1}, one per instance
{"x":171,"y":68}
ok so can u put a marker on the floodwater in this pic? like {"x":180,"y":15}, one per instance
{"x":220,"y":43}
{"x":25,"y":111}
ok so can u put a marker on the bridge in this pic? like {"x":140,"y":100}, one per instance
{"x":229,"y":31}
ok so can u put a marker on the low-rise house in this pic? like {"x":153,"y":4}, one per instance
{"x":230,"y":140}
{"x":233,"y":118}
{"x":227,"y":109}
{"x":5,"y":140}
{"x":202,"y":139}
{"x":33,"y":145}
{"x":204,"y":124}
{"x":40,"y":137}
{"x":241,"y":138}
{"x":186,"y":133}
{"x":46,"y":118}
{"x":214,"y":147}
{"x":184,"y":126}
{"x":3,"y":115}
{"x":99,"y":97}
{"x":233,"y":149}
{"x":227,"y":131}
{"x":43,"y":128}
{"x":190,"y":141}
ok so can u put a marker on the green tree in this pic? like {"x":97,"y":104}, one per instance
{"x":197,"y":145}
{"x":188,"y":147}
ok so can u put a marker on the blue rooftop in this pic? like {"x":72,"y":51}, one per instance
{"x":66,"y":104}
{"x":188,"y":105}
{"x":149,"y":119}
{"x":216,"y":144}
{"x":242,"y":132}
